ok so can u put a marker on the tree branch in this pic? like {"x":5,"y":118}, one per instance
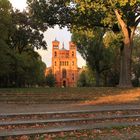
{"x":123,"y":27}
{"x":137,"y":22}
{"x":119,"y":18}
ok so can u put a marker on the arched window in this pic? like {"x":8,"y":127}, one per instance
{"x":55,"y":54}
{"x":72,"y":53}
{"x":64,"y":73}
{"x":55,"y":63}
{"x":73,"y":76}
{"x":72,"y":63}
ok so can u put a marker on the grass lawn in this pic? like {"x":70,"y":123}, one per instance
{"x":92,"y":95}
{"x":109,"y":90}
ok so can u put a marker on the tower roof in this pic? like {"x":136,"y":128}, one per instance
{"x":63,"y":47}
{"x":55,"y":40}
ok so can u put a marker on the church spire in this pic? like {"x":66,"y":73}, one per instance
{"x":55,"y":40}
{"x":63,"y":47}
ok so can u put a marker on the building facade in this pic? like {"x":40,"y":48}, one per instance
{"x":64,"y":64}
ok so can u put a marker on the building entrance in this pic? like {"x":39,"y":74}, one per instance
{"x":64,"y":83}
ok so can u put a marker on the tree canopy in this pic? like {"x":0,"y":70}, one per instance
{"x":117,"y":15}
{"x":20,"y":65}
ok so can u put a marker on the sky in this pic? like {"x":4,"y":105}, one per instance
{"x":62,"y":35}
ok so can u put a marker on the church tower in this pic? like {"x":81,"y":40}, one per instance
{"x":55,"y":60}
{"x":64,"y":64}
{"x":73,"y":63}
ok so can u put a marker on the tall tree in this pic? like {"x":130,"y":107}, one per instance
{"x":95,"y":47}
{"x":136,"y":59}
{"x":119,"y":15}
{"x":20,"y":65}
{"x":91,"y":46}
{"x":5,"y":17}
{"x":25,"y":35}
{"x":50,"y":79}
{"x":86,"y":78}
{"x":5,"y":24}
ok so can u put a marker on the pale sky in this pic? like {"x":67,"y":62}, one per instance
{"x":62,"y":35}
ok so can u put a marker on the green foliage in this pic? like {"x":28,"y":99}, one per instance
{"x":49,"y":13}
{"x":82,"y":80}
{"x":20,"y":70}
{"x":101,"y":13}
{"x":136,"y":60}
{"x":50,"y":80}
{"x":5,"y":17}
{"x":99,"y":56}
{"x":114,"y":43}
{"x":86,"y":78}
{"x":20,"y":65}
{"x":25,"y":35}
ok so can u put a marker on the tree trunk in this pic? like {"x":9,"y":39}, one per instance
{"x":105,"y":80}
{"x":97,"y":79}
{"x":125,"y":67}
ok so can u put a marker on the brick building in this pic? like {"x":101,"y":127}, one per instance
{"x":64,"y":64}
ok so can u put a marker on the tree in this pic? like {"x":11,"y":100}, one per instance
{"x":28,"y":69}
{"x":5,"y":24}
{"x":114,"y":43}
{"x":136,"y":59}
{"x":82,"y":81}
{"x":86,"y":78}
{"x":5,"y":17}
{"x":20,"y":65}
{"x":91,"y":46}
{"x":50,"y":80}
{"x":119,"y":15}
{"x":25,"y":35}
{"x":126,"y":16}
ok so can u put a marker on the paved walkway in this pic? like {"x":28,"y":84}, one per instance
{"x":22,"y":108}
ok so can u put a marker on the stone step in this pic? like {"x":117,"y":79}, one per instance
{"x":36,"y":121}
{"x":83,"y":111}
{"x":34,"y":131}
